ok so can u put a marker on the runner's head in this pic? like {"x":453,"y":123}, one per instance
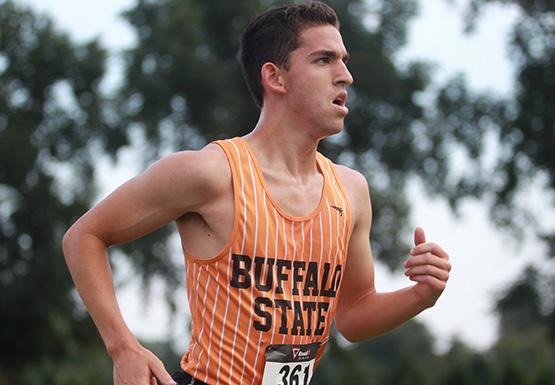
{"x":274,"y":34}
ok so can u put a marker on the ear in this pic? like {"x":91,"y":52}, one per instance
{"x":272,"y":79}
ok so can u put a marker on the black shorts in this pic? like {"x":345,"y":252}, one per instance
{"x":184,"y":378}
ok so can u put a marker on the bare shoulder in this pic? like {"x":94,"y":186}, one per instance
{"x":202,"y":174}
{"x":353,"y":181}
{"x":207,"y":166}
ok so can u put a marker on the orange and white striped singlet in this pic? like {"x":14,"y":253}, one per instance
{"x":275,"y":281}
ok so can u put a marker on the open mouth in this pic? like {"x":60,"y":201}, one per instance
{"x":340,"y":99}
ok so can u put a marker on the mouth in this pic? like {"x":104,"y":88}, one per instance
{"x":340,"y":101}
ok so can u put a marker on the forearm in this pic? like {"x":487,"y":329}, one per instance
{"x":376,"y":313}
{"x":87,"y":260}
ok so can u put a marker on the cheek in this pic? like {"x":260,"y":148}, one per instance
{"x":307,"y":104}
{"x":308,"y":94}
{"x":305,"y":96}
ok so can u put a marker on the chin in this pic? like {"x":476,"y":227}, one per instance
{"x":336,"y":128}
{"x":330,"y":131}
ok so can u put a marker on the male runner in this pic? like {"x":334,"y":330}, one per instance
{"x":275,"y":236}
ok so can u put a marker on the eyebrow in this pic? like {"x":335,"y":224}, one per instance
{"x":330,"y":54}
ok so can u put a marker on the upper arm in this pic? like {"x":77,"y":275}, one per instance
{"x":358,"y":277}
{"x":180,"y":183}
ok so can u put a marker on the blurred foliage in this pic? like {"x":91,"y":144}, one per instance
{"x":183,"y":87}
{"x":522,"y":125}
{"x":46,"y":169}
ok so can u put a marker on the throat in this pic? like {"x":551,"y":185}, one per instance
{"x":293,"y":198}
{"x":293,"y":181}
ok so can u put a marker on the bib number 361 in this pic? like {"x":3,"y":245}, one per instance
{"x":289,"y":364}
{"x":297,"y":375}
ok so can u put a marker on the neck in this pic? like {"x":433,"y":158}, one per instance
{"x":281,"y":142}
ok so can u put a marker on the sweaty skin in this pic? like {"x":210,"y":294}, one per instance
{"x":194,"y":190}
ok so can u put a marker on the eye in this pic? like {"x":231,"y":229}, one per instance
{"x":324,"y":60}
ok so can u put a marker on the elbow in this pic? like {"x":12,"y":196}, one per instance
{"x":79,"y":238}
{"x":352,"y":320}
{"x":71,"y":241}
{"x":346,"y":329}
{"x":68,"y":240}
{"x":352,"y":338}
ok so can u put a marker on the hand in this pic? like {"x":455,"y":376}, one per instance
{"x":429,"y":267}
{"x":139,"y":366}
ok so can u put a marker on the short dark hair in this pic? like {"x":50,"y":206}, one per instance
{"x":274,"y":34}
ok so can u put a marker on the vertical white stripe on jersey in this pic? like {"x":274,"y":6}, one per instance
{"x":225,"y":319}
{"x":315,"y":320}
{"x":267,"y":224}
{"x":310,"y":259}
{"x":329,"y":254}
{"x":244,"y":198}
{"x":303,"y":339}
{"x":197,"y":342}
{"x":242,"y":252}
{"x":187,"y":277}
{"x":293,"y":257}
{"x":253,"y":256}
{"x":202,"y":317}
{"x":274,"y":271}
{"x":212,"y":322}
{"x":263,"y":274}
{"x":285,"y":244}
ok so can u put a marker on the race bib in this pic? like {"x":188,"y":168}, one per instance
{"x":289,"y":364}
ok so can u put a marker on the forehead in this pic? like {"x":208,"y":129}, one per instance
{"x":321,"y":37}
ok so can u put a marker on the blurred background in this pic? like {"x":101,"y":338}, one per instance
{"x":452,"y":121}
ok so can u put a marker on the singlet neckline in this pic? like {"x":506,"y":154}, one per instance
{"x":268,"y":193}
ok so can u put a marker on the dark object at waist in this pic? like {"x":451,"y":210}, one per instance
{"x":184,"y":378}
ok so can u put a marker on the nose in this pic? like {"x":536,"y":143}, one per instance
{"x":344,"y":76}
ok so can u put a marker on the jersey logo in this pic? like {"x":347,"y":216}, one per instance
{"x":339,"y":209}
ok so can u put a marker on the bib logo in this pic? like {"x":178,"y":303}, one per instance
{"x":299,"y":354}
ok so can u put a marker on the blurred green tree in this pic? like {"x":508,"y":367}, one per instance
{"x":50,"y":120}
{"x":457,"y":369}
{"x":524,"y":351}
{"x":521,"y":308}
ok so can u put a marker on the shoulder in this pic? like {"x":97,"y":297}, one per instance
{"x":204,"y":173}
{"x":353,"y":181}
{"x":203,"y":163}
